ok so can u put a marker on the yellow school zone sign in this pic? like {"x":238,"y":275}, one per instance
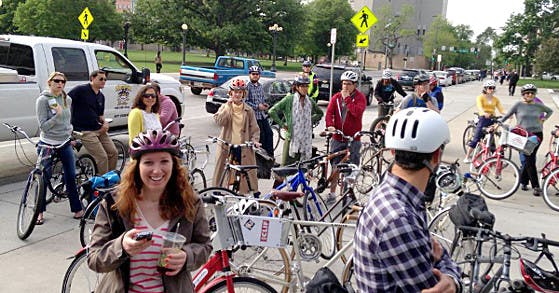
{"x":364,"y":19}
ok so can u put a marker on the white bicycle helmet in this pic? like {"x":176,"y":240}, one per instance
{"x":418,"y":130}
{"x":489,"y":83}
{"x":349,"y":75}
{"x":386,"y":74}
{"x":528,"y":88}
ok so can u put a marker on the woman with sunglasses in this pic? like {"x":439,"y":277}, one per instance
{"x":487,"y":104}
{"x":528,"y":115}
{"x":53,"y":114}
{"x":145,"y":112}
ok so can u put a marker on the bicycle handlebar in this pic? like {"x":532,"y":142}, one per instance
{"x":16,"y":129}
{"x":249,"y":144}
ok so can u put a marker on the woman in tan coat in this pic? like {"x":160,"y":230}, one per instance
{"x":238,"y":125}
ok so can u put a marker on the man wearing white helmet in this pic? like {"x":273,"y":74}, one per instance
{"x":385,"y":88}
{"x":345,"y":113}
{"x":393,"y":250}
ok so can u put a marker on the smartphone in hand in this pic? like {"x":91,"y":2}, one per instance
{"x":144,"y":235}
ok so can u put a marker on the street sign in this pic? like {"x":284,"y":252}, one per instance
{"x":85,"y":18}
{"x":364,"y":19}
{"x":85,"y":34}
{"x":333,"y":33}
{"x":362,"y":41}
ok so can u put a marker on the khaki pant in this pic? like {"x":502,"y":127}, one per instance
{"x":102,"y":149}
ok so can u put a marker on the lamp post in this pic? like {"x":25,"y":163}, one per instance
{"x":126,"y":27}
{"x":184,"y":28}
{"x":274,"y":29}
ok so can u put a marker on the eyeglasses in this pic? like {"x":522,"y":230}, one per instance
{"x":59,"y":81}
{"x":102,"y":79}
{"x":490,"y":87}
{"x":150,"y":96}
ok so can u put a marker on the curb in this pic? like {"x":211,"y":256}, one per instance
{"x":554,"y":97}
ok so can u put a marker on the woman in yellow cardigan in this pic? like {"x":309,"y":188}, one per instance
{"x":144,"y":114}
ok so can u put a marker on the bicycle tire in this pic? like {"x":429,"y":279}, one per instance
{"x":348,"y":276}
{"x":367,"y":178}
{"x":56,"y":184}
{"x":241,"y":284}
{"x":467,"y":136}
{"x":122,"y":151}
{"x":313,"y":211}
{"x":31,"y":200}
{"x":490,"y":176}
{"x":463,"y":250}
{"x":346,"y":234}
{"x":278,"y":134}
{"x":88,"y":220}
{"x":197,"y":179}
{"x":378,"y":128}
{"x":551,"y":190}
{"x":79,"y":269}
{"x":442,"y":228}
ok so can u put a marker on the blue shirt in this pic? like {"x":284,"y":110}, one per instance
{"x":256,"y":97}
{"x":392,"y":248}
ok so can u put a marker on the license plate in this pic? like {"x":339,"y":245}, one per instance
{"x":324,"y":86}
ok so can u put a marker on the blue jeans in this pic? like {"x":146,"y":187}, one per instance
{"x":483,"y":122}
{"x":66,"y":156}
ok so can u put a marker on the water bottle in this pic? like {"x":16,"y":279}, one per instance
{"x":111,"y":178}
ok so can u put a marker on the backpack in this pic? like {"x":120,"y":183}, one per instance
{"x":324,"y":281}
{"x":265,"y":164}
{"x":460,"y":213}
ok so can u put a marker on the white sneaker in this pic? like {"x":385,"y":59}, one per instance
{"x":331,"y":198}
{"x":467,"y":161}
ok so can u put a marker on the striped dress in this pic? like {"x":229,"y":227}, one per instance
{"x":144,"y":276}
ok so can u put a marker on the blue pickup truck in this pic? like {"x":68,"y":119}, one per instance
{"x":200,"y":78}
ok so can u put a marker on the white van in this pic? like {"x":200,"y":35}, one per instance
{"x":26,"y":62}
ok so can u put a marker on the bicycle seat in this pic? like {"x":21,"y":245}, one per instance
{"x":243,"y":168}
{"x":325,"y":134}
{"x":285,"y":171}
{"x":286,"y":195}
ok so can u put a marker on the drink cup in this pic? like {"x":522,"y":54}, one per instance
{"x":53,"y":104}
{"x":171,"y":242}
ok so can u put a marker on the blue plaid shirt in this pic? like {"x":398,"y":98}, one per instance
{"x":392,"y":248}
{"x":256,"y":97}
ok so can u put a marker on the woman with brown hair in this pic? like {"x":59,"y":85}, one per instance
{"x":145,"y":112}
{"x":154,"y":195}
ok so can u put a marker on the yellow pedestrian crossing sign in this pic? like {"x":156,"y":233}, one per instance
{"x":85,"y":18}
{"x":364,"y":19}
{"x":362,"y":41}
{"x":85,"y":34}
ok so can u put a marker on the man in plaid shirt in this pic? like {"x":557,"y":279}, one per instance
{"x":393,"y":250}
{"x":257,"y":102}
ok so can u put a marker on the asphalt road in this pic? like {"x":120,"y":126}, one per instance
{"x":39,"y":263}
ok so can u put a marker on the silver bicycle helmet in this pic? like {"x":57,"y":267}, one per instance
{"x":386,"y":74}
{"x":528,"y":88}
{"x":349,"y":75}
{"x":489,"y":83}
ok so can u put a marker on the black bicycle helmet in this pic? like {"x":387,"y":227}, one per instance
{"x":420,"y":78}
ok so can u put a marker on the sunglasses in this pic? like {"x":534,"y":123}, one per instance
{"x":59,"y":81}
{"x":255,"y":73}
{"x":490,"y":87}
{"x":102,"y":79}
{"x":150,"y":96}
{"x":529,"y":93}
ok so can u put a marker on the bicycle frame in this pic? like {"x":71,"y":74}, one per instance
{"x":219,"y":262}
{"x":552,"y":162}
{"x":486,"y":153}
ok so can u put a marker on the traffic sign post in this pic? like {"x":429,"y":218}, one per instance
{"x":85,"y":18}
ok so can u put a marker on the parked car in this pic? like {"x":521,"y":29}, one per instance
{"x":274,"y":90}
{"x":459,"y":74}
{"x":322,"y":72}
{"x":445,"y":78}
{"x":550,"y":76}
{"x":225,"y":67}
{"x":452,"y":73}
{"x":473,"y":74}
{"x":405,"y":78}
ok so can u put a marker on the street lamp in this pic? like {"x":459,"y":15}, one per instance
{"x":184,"y":27}
{"x":274,"y":29}
{"x":126,"y":27}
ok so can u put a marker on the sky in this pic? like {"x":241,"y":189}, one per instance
{"x":479,"y":14}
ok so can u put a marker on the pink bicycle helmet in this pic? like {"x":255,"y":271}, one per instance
{"x":154,"y":141}
{"x":238,"y":84}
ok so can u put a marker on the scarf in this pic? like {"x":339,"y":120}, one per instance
{"x":237,"y":125}
{"x":301,"y":136}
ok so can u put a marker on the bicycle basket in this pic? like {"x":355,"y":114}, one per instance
{"x":517,"y":138}
{"x":259,"y":231}
{"x":460,"y":213}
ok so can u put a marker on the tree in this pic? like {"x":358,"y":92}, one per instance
{"x":484,"y":43}
{"x":59,"y":18}
{"x":7,"y":11}
{"x":547,"y":57}
{"x":439,"y":38}
{"x":390,"y":28}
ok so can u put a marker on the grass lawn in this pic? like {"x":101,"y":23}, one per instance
{"x":547,"y":84}
{"x":173,"y":60}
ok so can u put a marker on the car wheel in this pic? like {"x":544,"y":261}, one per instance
{"x":196,"y":90}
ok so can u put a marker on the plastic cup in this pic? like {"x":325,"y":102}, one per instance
{"x":171,"y":241}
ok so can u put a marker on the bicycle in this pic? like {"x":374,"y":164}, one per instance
{"x":494,"y":173}
{"x":549,"y":174}
{"x":252,"y":236}
{"x":190,"y":155}
{"x":378,"y":127}
{"x":471,"y":129}
{"x":37,"y":182}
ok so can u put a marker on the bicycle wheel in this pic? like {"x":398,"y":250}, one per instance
{"x":79,"y":277}
{"x":88,"y":220}
{"x":367,"y":178}
{"x":313,"y":209}
{"x":345,"y":234}
{"x":463,"y":252}
{"x":551,"y":190}
{"x":242,"y":284}
{"x":29,"y":205}
{"x":122,"y":151}
{"x":56,"y":181}
{"x":85,"y":168}
{"x":442,"y":228}
{"x":498,"y":179}
{"x":198,"y":179}
{"x":348,"y":277}
{"x":279,"y":135}
{"x":467,"y":137}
